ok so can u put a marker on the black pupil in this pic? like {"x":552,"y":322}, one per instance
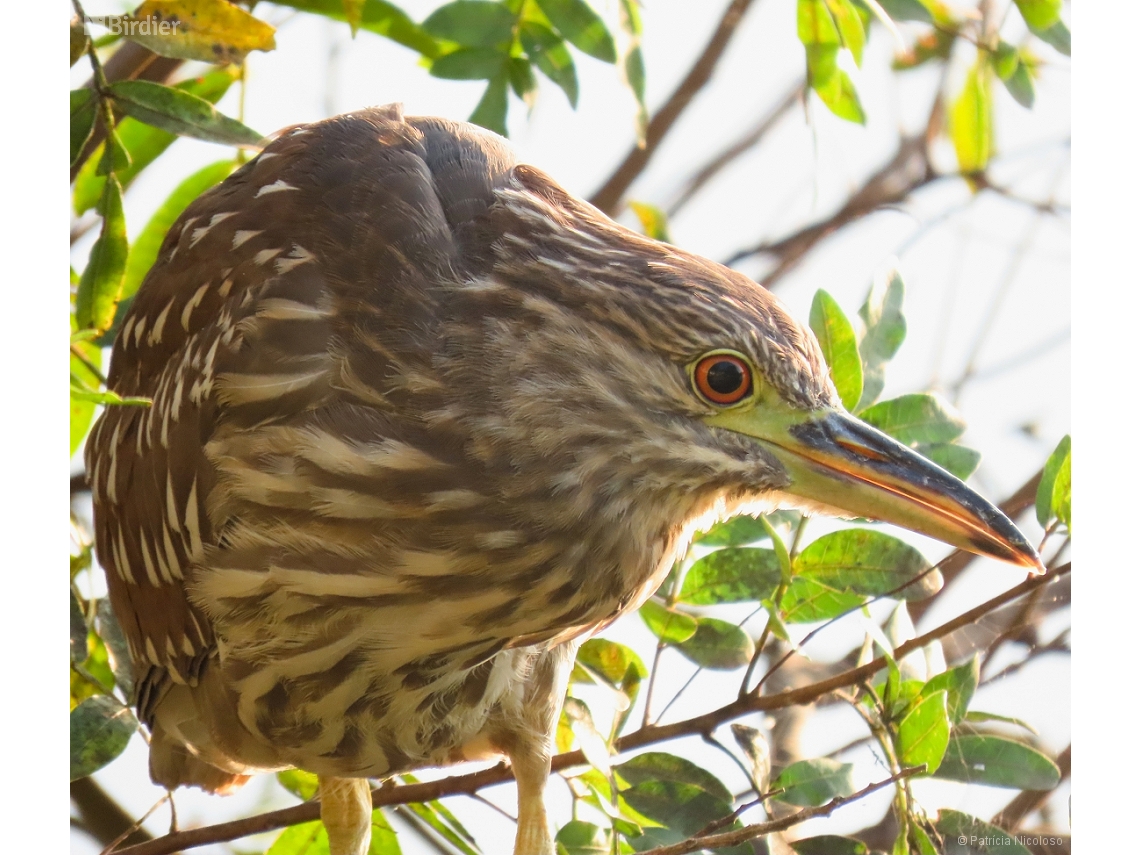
{"x":725,"y":377}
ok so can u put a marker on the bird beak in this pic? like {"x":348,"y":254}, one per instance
{"x":836,"y":460}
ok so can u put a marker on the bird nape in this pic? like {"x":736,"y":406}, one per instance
{"x":421,"y":423}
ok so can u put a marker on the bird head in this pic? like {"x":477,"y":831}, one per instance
{"x":635,"y":374}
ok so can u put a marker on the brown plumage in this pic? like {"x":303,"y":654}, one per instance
{"x":421,"y":422}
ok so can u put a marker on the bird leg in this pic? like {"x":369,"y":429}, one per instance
{"x":531,"y":769}
{"x":346,"y":811}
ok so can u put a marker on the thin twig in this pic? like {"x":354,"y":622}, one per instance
{"x":754,"y":136}
{"x":135,"y":825}
{"x":751,"y":832}
{"x":609,"y":195}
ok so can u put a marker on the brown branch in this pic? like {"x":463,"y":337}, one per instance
{"x":751,"y":832}
{"x":501,"y":773}
{"x":1027,"y":801}
{"x":102,"y":817}
{"x":746,"y":143}
{"x":609,"y":195}
{"x":908,"y":170}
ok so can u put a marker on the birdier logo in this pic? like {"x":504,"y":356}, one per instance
{"x":125,"y":25}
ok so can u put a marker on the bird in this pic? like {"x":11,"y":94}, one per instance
{"x":422,"y":421}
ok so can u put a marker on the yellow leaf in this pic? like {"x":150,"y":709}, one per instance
{"x":971,"y":120}
{"x":205,"y":30}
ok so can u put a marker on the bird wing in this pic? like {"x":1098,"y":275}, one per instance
{"x":240,"y":335}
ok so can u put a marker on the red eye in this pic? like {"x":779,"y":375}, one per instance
{"x":723,"y":379}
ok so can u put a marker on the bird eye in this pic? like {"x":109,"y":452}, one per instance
{"x":723,"y":378}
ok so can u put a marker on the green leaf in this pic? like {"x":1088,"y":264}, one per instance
{"x":906,"y":10}
{"x":669,"y":625}
{"x":963,"y":834}
{"x":829,"y":844}
{"x":300,"y":783}
{"x":491,"y":111}
{"x":548,"y":51}
{"x":1046,"y":510}
{"x":522,"y":78}
{"x":82,"y":411}
{"x":441,"y":820}
{"x":144,"y":251}
{"x":78,"y":632}
{"x":616,"y":665}
{"x":308,"y":838}
{"x":179,"y":112}
{"x":997,"y":762}
{"x":815,"y":24}
{"x":633,"y":63}
{"x":1005,"y":60}
{"x":718,"y":644}
{"x":924,"y":733}
{"x":593,"y":744}
{"x":653,"y":221}
{"x":207,"y":30}
{"x":868,"y":563}
{"x":743,"y":529}
{"x":610,"y":660}
{"x":377,"y":16}
{"x":884,"y":329}
{"x":472,"y":23}
{"x":144,"y":142}
{"x":115,"y":157}
{"x":971,"y":119}
{"x":1040,"y":14}
{"x":958,"y":460}
{"x":1020,"y":86}
{"x":101,"y":727}
{"x":102,"y":279}
{"x":118,"y":651}
{"x":809,"y":601}
{"x":582,"y":838}
{"x":661,"y":766}
{"x":832,"y":84}
{"x":1062,"y":502}
{"x":682,"y":809}
{"x":1058,"y":36}
{"x":755,"y":747}
{"x":581,"y":26}
{"x":959,"y":683}
{"x":836,"y":339}
{"x":809,"y":783}
{"x":917,"y":418}
{"x":83,"y":104}
{"x":850,"y":27}
{"x":976,"y":716}
{"x":737,"y":575}
{"x":471,"y":64}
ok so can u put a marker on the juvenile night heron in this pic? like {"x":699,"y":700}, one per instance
{"x":422,"y":421}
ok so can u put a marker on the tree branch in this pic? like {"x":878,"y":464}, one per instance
{"x":609,"y":195}
{"x":103,"y":817}
{"x":908,"y":170}
{"x":746,"y":143}
{"x":501,"y":773}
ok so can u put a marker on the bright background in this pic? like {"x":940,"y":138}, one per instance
{"x":987,"y":284}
